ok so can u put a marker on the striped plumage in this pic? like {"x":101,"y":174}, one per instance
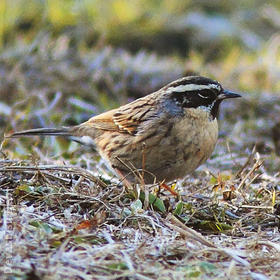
{"x":163,"y":136}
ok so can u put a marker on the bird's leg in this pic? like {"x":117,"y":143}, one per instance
{"x":169,"y":189}
{"x":145,"y":187}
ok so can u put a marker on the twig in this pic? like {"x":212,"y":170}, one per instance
{"x":188,"y":232}
{"x":256,"y":166}
{"x":76,"y":170}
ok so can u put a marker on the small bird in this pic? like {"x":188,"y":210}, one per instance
{"x":157,"y":138}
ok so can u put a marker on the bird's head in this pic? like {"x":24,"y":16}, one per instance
{"x":198,"y":92}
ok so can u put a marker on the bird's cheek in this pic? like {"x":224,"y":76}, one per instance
{"x":173,"y":109}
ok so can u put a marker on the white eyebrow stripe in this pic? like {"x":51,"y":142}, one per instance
{"x":191,"y":87}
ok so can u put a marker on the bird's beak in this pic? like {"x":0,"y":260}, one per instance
{"x":228,"y":94}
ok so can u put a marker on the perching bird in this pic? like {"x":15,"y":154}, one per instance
{"x":160,"y":137}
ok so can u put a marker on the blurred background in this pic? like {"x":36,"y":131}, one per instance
{"x":63,"y":61}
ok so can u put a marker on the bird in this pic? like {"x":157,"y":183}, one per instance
{"x":160,"y":137}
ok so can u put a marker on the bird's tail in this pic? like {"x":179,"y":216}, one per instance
{"x":77,"y":133}
{"x":64,"y":131}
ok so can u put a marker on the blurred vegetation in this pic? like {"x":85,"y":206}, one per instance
{"x":163,"y":26}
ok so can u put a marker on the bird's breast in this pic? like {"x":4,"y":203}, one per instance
{"x":198,"y":137}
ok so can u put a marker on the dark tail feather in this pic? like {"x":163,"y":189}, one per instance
{"x":64,"y":131}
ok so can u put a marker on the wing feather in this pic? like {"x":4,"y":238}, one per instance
{"x":127,"y":118}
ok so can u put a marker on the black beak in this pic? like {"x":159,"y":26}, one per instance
{"x":228,"y":94}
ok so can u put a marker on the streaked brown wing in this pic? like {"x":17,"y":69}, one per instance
{"x":127,"y":118}
{"x":104,"y":121}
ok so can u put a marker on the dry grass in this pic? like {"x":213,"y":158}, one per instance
{"x":66,"y":222}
